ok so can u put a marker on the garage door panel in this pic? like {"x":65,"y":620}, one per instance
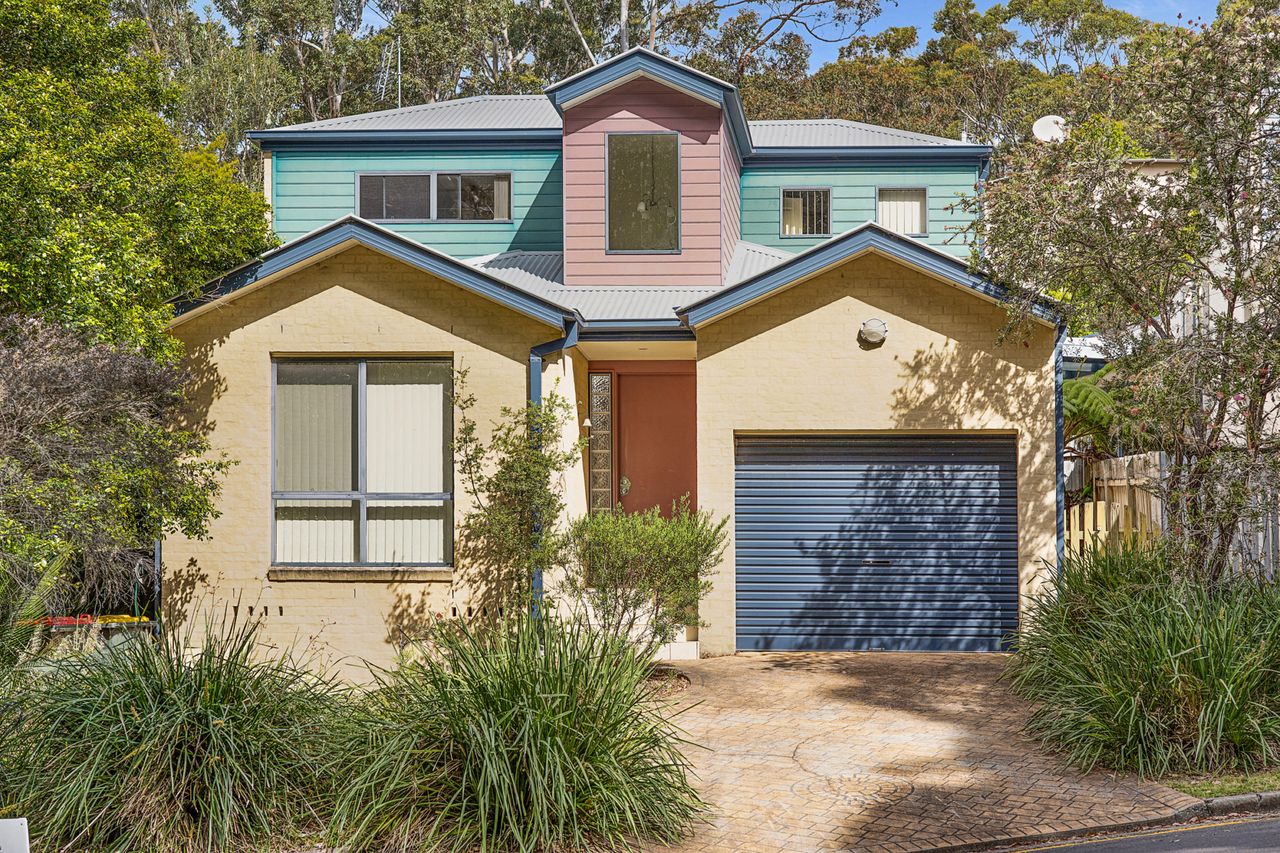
{"x":858,"y":543}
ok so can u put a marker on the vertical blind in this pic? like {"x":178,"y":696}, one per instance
{"x":806,"y":213}
{"x":902,"y":210}
{"x":396,"y":507}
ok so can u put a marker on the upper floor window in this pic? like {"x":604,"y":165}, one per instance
{"x":472,"y":197}
{"x":806,"y":213}
{"x":363,"y":472}
{"x":643,"y":192}
{"x":421,"y":197}
{"x":395,"y":197}
{"x":905,"y":210}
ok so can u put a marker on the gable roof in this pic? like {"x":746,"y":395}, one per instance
{"x":642,"y":62}
{"x":868,"y":237}
{"x":350,"y":231}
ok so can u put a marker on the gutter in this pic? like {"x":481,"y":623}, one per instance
{"x":1060,"y":447}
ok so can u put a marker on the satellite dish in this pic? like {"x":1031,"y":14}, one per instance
{"x":1050,"y":129}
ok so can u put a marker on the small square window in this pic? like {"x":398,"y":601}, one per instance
{"x":903,"y":210}
{"x":806,"y":213}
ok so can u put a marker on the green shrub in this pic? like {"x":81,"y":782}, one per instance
{"x":147,"y":746}
{"x":1135,"y":667}
{"x":641,"y":575}
{"x":533,"y":734}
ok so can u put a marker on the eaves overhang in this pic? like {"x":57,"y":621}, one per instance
{"x":868,"y":237}
{"x":349,"y":231}
{"x":337,"y":140}
{"x":884,"y":155}
{"x":640,"y":62}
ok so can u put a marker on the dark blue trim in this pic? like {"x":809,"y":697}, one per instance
{"x":536,"y":356}
{"x":401,"y":248}
{"x":338,"y":139}
{"x":1059,"y":426}
{"x":541,"y":351}
{"x":835,"y":250}
{"x":638,"y":330}
{"x":641,"y":61}
{"x":883,"y":155}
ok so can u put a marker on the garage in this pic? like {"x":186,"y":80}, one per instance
{"x":875,"y":543}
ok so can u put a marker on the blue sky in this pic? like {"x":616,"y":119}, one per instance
{"x":919,"y":13}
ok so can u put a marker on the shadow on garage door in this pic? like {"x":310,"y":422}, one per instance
{"x":861,"y":543}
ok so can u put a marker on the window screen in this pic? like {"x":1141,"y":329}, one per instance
{"x":363,"y":469}
{"x":903,"y":211}
{"x":393,"y":197}
{"x":806,"y":213}
{"x":644,"y":192}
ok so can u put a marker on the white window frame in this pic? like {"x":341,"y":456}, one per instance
{"x":434,"y":176}
{"x":782,"y":195}
{"x":360,"y":495}
{"x":924,"y":210}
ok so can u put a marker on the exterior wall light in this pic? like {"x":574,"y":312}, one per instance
{"x":873,"y":332}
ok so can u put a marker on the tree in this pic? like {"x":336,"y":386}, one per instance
{"x":1175,"y":266}
{"x":511,"y":535}
{"x":104,"y":215}
{"x":94,"y":465}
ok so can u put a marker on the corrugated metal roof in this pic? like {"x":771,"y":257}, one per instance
{"x":836,"y":133}
{"x":750,"y":259}
{"x":542,"y":274}
{"x":536,"y":112}
{"x":483,"y":112}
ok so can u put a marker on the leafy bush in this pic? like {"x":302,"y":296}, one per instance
{"x":640,"y":575}
{"x":532,"y":734}
{"x":509,"y":536}
{"x":150,"y":746}
{"x":1136,"y":667}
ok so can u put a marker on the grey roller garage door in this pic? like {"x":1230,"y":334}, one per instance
{"x":876,"y":543}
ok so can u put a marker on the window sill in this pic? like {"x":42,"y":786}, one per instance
{"x":361,"y":574}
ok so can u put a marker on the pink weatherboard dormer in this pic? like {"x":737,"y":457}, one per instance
{"x":662,"y":154}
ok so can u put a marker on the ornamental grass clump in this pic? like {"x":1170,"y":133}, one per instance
{"x":529,"y":735}
{"x":151,"y":746}
{"x":1134,"y":665}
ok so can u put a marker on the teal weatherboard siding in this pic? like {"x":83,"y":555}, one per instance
{"x":853,"y":199}
{"x":310,"y":189}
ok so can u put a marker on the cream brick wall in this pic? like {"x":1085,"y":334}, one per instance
{"x":355,"y":303}
{"x":792,"y":363}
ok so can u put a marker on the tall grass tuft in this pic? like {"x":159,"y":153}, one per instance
{"x":150,"y":746}
{"x":531,"y":735}
{"x":1135,"y":667}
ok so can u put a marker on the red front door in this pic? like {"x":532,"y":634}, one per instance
{"x":657,"y":434}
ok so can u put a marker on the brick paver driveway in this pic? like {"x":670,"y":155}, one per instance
{"x":883,"y":752}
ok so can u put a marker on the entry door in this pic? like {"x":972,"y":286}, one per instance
{"x":657,"y":439}
{"x":901,"y":544}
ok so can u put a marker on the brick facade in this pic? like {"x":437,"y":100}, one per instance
{"x":792,"y":363}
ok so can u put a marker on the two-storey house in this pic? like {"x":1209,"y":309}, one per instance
{"x":776,"y":318}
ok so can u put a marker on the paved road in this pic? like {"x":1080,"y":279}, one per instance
{"x":1229,"y":836}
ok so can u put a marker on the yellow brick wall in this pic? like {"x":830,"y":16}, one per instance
{"x":355,"y":303}
{"x":792,"y":363}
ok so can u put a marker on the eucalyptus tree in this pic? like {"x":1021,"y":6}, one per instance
{"x":1174,"y":262}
